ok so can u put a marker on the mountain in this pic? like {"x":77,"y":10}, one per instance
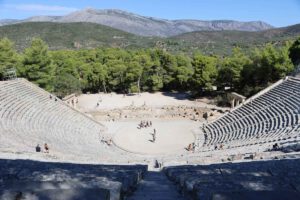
{"x":43,"y":19}
{"x":219,"y":41}
{"x":4,"y":22}
{"x":90,"y":35}
{"x":148,"y":26}
{"x":72,"y":35}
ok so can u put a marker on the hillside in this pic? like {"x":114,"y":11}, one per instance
{"x":71,"y":35}
{"x":146,"y":26}
{"x":89,"y":35}
{"x":221,"y":42}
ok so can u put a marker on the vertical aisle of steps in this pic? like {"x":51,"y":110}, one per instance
{"x":156,"y":186}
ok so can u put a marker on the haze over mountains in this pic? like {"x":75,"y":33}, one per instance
{"x":145,"y":26}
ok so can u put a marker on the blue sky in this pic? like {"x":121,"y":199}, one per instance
{"x":276,"y":12}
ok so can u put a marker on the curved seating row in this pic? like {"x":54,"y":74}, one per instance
{"x":31,"y":116}
{"x":270,"y":116}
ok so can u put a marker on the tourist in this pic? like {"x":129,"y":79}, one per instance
{"x":150,"y":123}
{"x":50,"y":96}
{"x":38,"y":148}
{"x":275,"y":146}
{"x":46,"y":148}
{"x":193,"y":147}
{"x":141,"y":124}
{"x":189,"y":148}
{"x":154,"y":135}
{"x":109,"y":142}
{"x":154,"y":138}
{"x":157,"y":164}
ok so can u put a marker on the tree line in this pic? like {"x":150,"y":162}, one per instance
{"x":111,"y":69}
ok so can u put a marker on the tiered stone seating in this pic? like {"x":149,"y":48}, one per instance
{"x":30,"y":117}
{"x":80,"y":180}
{"x":277,"y":179}
{"x":270,"y":117}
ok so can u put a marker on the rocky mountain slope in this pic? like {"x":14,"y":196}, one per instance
{"x":146,"y":26}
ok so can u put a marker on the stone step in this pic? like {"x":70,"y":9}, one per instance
{"x":257,"y":195}
{"x":156,"y":186}
{"x":57,"y":194}
{"x":112,"y":187}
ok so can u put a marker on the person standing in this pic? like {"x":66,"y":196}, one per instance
{"x":154,"y":138}
{"x":38,"y":148}
{"x":46,"y":148}
{"x":154,"y":135}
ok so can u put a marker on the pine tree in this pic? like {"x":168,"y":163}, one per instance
{"x":294,"y":52}
{"x":37,"y":66}
{"x":230,"y":71}
{"x":205,"y":72}
{"x":8,"y":56}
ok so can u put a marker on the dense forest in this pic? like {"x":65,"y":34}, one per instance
{"x":126,"y":71}
{"x":84,"y":35}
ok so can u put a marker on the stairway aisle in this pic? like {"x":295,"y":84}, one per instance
{"x":156,"y":186}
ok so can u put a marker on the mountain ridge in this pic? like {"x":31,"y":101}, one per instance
{"x":146,"y":26}
{"x":89,"y":35}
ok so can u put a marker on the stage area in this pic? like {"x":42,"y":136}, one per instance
{"x":172,"y":136}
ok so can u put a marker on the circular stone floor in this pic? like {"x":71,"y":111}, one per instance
{"x":172,"y":136}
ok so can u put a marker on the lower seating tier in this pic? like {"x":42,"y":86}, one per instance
{"x":273,"y":179}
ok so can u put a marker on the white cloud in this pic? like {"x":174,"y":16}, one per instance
{"x":40,"y":8}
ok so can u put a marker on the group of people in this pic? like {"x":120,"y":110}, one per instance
{"x":275,"y":147}
{"x":144,"y":124}
{"x":191,"y":147}
{"x":221,"y":147}
{"x":38,"y":148}
{"x":147,"y":124}
{"x":51,"y":97}
{"x":106,"y":141}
